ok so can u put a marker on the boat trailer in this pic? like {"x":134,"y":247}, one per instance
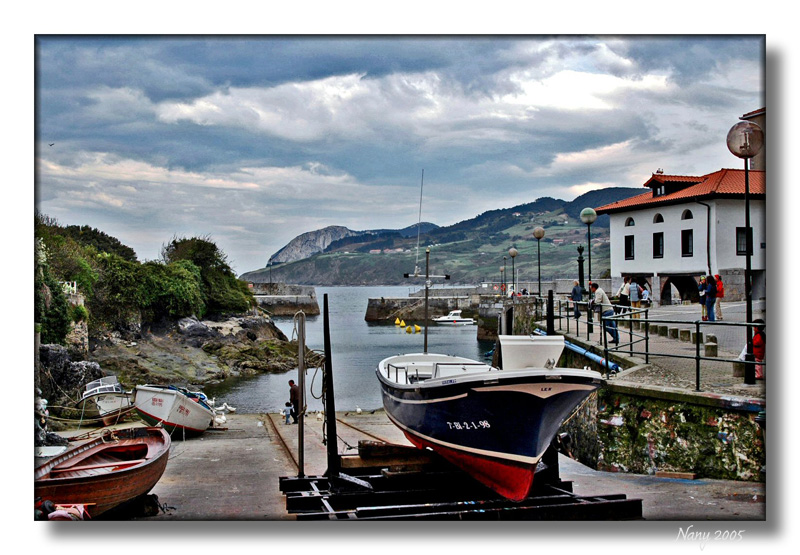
{"x":396,"y":482}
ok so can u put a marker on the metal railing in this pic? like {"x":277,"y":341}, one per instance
{"x":634,"y":341}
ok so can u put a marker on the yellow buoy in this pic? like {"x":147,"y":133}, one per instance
{"x":397,"y":321}
{"x":403,"y":323}
{"x":408,"y":329}
{"x":416,"y":328}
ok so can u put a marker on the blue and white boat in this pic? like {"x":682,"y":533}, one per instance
{"x":493,"y":423}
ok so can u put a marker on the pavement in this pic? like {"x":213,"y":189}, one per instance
{"x":233,"y":474}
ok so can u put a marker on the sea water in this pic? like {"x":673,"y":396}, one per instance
{"x":357,"y":347}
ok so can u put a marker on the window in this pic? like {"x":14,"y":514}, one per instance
{"x":658,"y":245}
{"x":687,"y":242}
{"x":687,"y":215}
{"x":742,"y":241}
{"x":629,"y":247}
{"x":629,"y":222}
{"x":658,"y":219}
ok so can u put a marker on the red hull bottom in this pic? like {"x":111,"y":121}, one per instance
{"x":512,"y":480}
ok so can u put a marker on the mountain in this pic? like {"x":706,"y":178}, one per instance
{"x":311,"y":243}
{"x":471,"y":251}
{"x":314,"y":242}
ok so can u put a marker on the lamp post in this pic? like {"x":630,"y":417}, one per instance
{"x":512,"y":252}
{"x":745,"y":140}
{"x":538,"y":233}
{"x":588,"y":216}
{"x":505,"y":288}
{"x":502,"y":281}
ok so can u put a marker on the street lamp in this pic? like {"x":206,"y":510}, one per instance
{"x":505,"y":288}
{"x":745,"y":140}
{"x":588,"y":216}
{"x":538,"y":233}
{"x":512,"y":252}
{"x":502,"y":280}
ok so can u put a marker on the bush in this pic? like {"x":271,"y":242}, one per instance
{"x":78,"y":313}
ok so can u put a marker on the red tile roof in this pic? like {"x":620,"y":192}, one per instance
{"x":722,"y":183}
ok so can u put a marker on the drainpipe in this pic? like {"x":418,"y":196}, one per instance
{"x":708,"y":235}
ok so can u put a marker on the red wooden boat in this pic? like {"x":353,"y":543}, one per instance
{"x":107,"y":471}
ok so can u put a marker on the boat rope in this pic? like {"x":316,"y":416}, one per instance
{"x":592,"y":396}
{"x":419,"y":221}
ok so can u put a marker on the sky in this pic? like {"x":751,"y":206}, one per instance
{"x":253,"y":140}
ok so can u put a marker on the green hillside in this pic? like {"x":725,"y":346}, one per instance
{"x":471,"y":251}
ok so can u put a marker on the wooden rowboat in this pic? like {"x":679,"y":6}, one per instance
{"x":107,"y":471}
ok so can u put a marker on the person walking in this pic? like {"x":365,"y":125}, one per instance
{"x":720,"y":296}
{"x":701,"y":290}
{"x":576,"y":296}
{"x":602,"y":305}
{"x":711,"y":298}
{"x":294,"y":399}
{"x":624,"y":295}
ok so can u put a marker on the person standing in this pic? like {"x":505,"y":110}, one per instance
{"x":294,"y":399}
{"x":635,"y":295}
{"x":759,"y":347}
{"x":720,"y":295}
{"x":624,"y":294}
{"x":711,"y":298}
{"x":602,"y":305}
{"x":576,"y":296}
{"x":701,"y":290}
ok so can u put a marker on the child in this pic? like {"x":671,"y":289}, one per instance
{"x":287,"y":411}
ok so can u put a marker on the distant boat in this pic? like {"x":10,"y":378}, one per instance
{"x":104,"y":399}
{"x":454,"y":318}
{"x":105,"y":472}
{"x":174,"y":408}
{"x":495,"y":424}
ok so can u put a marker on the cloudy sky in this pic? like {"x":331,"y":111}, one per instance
{"x":253,"y":141}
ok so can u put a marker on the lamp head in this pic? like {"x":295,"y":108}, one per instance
{"x":588,"y":216}
{"x":745,"y":139}
{"x":538,"y":233}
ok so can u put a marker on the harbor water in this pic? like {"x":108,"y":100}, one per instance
{"x":356,"y":348}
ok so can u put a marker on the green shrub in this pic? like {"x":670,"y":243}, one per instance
{"x":78,"y":313}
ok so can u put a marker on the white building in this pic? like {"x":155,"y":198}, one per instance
{"x":685,"y":227}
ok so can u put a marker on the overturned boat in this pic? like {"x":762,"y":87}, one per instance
{"x":493,"y":423}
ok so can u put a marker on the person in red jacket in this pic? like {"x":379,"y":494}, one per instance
{"x":759,"y":347}
{"x":720,"y":294}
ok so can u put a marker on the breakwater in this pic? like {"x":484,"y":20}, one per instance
{"x":282,"y":299}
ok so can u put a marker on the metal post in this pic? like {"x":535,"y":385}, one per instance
{"x":334,"y":463}
{"x":427,"y":286}
{"x":301,"y":378}
{"x":697,"y":355}
{"x":590,"y":327}
{"x":539,"y":262}
{"x":647,"y":336}
{"x":551,"y":329}
{"x":749,"y":367}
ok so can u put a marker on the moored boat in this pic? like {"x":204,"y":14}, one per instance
{"x":174,"y":408}
{"x":493,"y":423}
{"x":104,"y":399}
{"x":454,"y":318}
{"x":107,"y":471}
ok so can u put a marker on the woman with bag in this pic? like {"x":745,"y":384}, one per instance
{"x":624,"y":295}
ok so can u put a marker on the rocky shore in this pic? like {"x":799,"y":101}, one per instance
{"x":189,"y":352}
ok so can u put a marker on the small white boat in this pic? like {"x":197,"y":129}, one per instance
{"x":105,"y":399}
{"x":454,"y":318}
{"x":174,"y":408}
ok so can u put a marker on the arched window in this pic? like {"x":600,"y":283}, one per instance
{"x":629,"y":222}
{"x":658,"y":219}
{"x":687,"y":215}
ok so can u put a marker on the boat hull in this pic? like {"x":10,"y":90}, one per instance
{"x":495,"y":429}
{"x":109,"y":408}
{"x":170,"y":408}
{"x":107,"y":471}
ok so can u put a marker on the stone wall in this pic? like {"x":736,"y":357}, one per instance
{"x":413,"y":308}
{"x":643,"y":431}
{"x":282,"y":299}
